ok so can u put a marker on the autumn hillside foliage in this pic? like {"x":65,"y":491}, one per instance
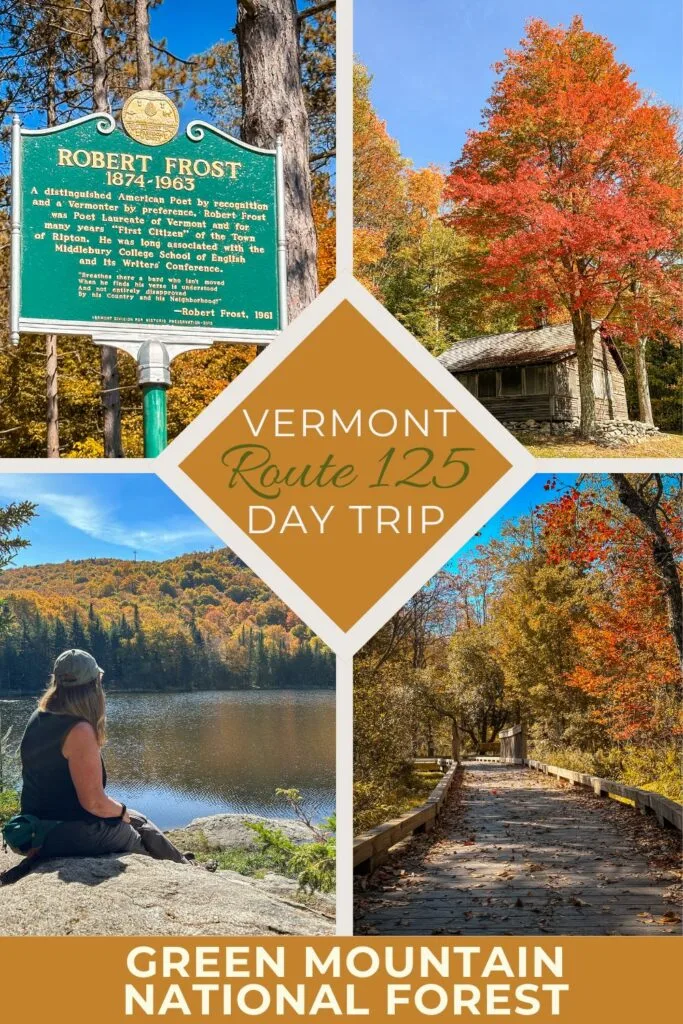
{"x":563,"y":622}
{"x":198,"y":621}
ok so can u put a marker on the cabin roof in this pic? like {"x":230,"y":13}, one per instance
{"x":516,"y":348}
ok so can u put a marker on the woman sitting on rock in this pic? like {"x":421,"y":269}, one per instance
{"x":64,"y":777}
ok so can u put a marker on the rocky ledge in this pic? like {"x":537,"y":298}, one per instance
{"x":230,"y":832}
{"x":134,"y":895}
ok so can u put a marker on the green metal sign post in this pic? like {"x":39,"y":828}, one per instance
{"x":154,"y":249}
{"x":154,"y":377}
{"x":154,"y":419}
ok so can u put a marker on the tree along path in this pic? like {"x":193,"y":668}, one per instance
{"x":517,"y":853}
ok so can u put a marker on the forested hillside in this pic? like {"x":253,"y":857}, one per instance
{"x":196,"y":622}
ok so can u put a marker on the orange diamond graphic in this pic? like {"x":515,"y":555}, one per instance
{"x":345,"y":465}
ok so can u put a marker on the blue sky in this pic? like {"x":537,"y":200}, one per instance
{"x":103,"y":515}
{"x":432,"y":61}
{"x":526,"y":499}
{"x":192,"y":28}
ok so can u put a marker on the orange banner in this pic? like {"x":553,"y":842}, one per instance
{"x":572,"y":980}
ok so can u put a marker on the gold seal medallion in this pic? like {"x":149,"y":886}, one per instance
{"x":150,"y":118}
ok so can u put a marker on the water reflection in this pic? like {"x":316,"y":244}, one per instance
{"x":180,"y":756}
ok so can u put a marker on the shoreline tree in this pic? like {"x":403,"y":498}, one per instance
{"x":573,"y":181}
{"x":197,"y":621}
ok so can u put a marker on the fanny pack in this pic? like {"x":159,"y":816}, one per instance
{"x":26,"y":834}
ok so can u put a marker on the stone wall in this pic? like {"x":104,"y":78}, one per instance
{"x":612,"y":433}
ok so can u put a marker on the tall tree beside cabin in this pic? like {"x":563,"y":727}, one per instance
{"x":273,"y":105}
{"x":574,"y":183}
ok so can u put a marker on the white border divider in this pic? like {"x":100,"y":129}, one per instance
{"x":667,"y":812}
{"x":371,"y":848}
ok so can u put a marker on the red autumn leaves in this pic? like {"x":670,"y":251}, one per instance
{"x":630,"y":667}
{"x":574,"y":184}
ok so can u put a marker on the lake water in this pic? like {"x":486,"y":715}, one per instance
{"x":176,"y":757}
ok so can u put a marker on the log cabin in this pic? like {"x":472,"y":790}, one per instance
{"x":533,"y":375}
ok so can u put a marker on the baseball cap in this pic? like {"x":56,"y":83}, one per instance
{"x":76,"y":668}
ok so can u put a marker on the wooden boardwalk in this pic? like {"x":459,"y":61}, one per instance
{"x":517,"y":853}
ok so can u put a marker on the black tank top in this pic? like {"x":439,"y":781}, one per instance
{"x":48,"y":791}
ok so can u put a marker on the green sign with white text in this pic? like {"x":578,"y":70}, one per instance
{"x":110,"y":232}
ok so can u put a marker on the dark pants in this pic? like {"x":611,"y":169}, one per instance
{"x":94,"y":839}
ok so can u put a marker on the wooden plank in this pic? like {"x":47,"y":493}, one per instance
{"x":522,"y":858}
{"x":377,"y":841}
{"x":512,"y":730}
{"x":440,"y":764}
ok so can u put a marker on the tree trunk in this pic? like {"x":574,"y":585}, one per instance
{"x":663,"y":554}
{"x":455,"y":741}
{"x":273,"y":104}
{"x":99,"y":56}
{"x":52,"y":394}
{"x":584,"y":334}
{"x":142,"y":44}
{"x":109,"y":366}
{"x":642,"y":383}
{"x":51,"y":348}
{"x":430,"y":741}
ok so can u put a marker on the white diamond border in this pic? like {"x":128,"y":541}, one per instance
{"x":167,"y":465}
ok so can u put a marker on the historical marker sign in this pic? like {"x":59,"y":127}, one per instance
{"x":125,"y":240}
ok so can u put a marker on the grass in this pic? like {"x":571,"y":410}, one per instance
{"x":312,"y":864}
{"x":252,"y":863}
{"x":657,"y":770}
{"x":374,"y":806}
{"x":9,"y":805}
{"x":663,"y":446}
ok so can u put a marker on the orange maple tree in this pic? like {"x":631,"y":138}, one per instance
{"x":630,"y":665}
{"x":378,"y":183}
{"x":574,"y":183}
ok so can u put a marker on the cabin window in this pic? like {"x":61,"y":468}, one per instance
{"x":599,"y":380}
{"x":511,"y":381}
{"x":469,"y":380}
{"x":487,"y":384}
{"x":536,"y":380}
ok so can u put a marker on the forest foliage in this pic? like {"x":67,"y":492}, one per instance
{"x":200,"y":621}
{"x":569,"y":621}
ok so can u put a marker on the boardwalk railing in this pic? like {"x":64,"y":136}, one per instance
{"x":432,"y":764}
{"x":371,"y":849}
{"x":667,"y":812}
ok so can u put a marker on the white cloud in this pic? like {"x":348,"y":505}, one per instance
{"x":98,"y":520}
